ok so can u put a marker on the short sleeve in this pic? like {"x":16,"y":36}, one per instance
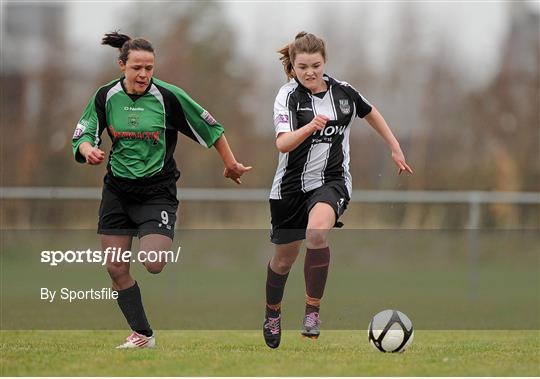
{"x":363,"y":107}
{"x":86,"y":129}
{"x":200,"y":125}
{"x":284,"y":111}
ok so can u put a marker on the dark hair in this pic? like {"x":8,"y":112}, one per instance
{"x":303,"y":43}
{"x":125,"y":44}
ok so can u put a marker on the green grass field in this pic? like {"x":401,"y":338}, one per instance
{"x":243,"y":353}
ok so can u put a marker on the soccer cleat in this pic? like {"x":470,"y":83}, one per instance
{"x":272,"y":331}
{"x":138,"y":341}
{"x":311,"y":327}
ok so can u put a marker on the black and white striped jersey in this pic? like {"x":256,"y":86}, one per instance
{"x":324,"y":156}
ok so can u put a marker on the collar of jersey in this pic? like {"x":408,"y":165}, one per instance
{"x":133,"y":95}
{"x":327,"y":78}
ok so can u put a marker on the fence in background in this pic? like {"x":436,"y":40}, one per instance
{"x":474,"y":199}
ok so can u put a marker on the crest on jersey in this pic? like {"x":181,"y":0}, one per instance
{"x":133,"y":120}
{"x":344,"y":106}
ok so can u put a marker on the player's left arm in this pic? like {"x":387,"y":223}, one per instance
{"x":200,"y":126}
{"x":377,"y":122}
{"x":233,"y":169}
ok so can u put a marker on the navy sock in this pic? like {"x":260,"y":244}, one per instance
{"x":130,"y":302}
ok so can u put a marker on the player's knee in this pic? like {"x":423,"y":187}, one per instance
{"x":154,"y":268}
{"x":316,"y":237}
{"x":283,"y":264}
{"x":117,"y":269}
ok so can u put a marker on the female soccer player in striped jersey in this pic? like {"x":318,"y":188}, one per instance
{"x":312,"y":186}
{"x":142,"y":115}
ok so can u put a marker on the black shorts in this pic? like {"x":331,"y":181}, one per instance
{"x":138,"y":210}
{"x":290,"y":215}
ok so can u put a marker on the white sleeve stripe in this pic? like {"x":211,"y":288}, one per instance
{"x":114,"y":90}
{"x":290,"y":112}
{"x":365,"y":100}
{"x":96,"y":137}
{"x":199,"y":138}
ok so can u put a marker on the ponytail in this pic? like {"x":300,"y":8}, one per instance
{"x":115,"y":39}
{"x":286,"y":61}
{"x":125,"y":44}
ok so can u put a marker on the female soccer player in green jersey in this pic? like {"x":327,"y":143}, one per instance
{"x":313,"y":114}
{"x":142,"y":115}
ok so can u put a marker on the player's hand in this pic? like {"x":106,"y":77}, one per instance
{"x":235,"y":171}
{"x":318,"y":122}
{"x":399,"y":159}
{"x":95,"y":156}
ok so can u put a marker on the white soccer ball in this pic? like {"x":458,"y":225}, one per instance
{"x":390,"y":331}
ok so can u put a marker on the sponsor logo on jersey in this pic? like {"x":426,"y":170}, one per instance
{"x":305,"y":109}
{"x":138,"y":109}
{"x":281,"y":119}
{"x":145,"y":136}
{"x":79,"y":130}
{"x":133,"y":120}
{"x":331,"y":130}
{"x":208,"y":118}
{"x":344,"y":106}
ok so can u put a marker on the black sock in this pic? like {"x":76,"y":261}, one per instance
{"x":130,"y":302}
{"x":275,"y":286}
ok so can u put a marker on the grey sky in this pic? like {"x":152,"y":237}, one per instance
{"x":473,"y":31}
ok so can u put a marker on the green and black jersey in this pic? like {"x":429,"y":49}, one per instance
{"x":143,"y":128}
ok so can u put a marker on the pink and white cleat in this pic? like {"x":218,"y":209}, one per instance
{"x":138,"y":341}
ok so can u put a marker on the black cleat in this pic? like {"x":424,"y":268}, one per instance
{"x":311,"y":328}
{"x":272,"y":331}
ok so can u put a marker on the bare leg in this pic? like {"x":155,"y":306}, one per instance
{"x":321,"y":220}
{"x":157,"y":243}
{"x":118,"y":271}
{"x":284,"y":257}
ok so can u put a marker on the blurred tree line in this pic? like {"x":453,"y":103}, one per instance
{"x":455,"y":139}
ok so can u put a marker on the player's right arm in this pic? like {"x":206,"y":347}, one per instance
{"x":288,"y":141}
{"x":86,"y":137}
{"x":288,"y":135}
{"x":93,"y":155}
